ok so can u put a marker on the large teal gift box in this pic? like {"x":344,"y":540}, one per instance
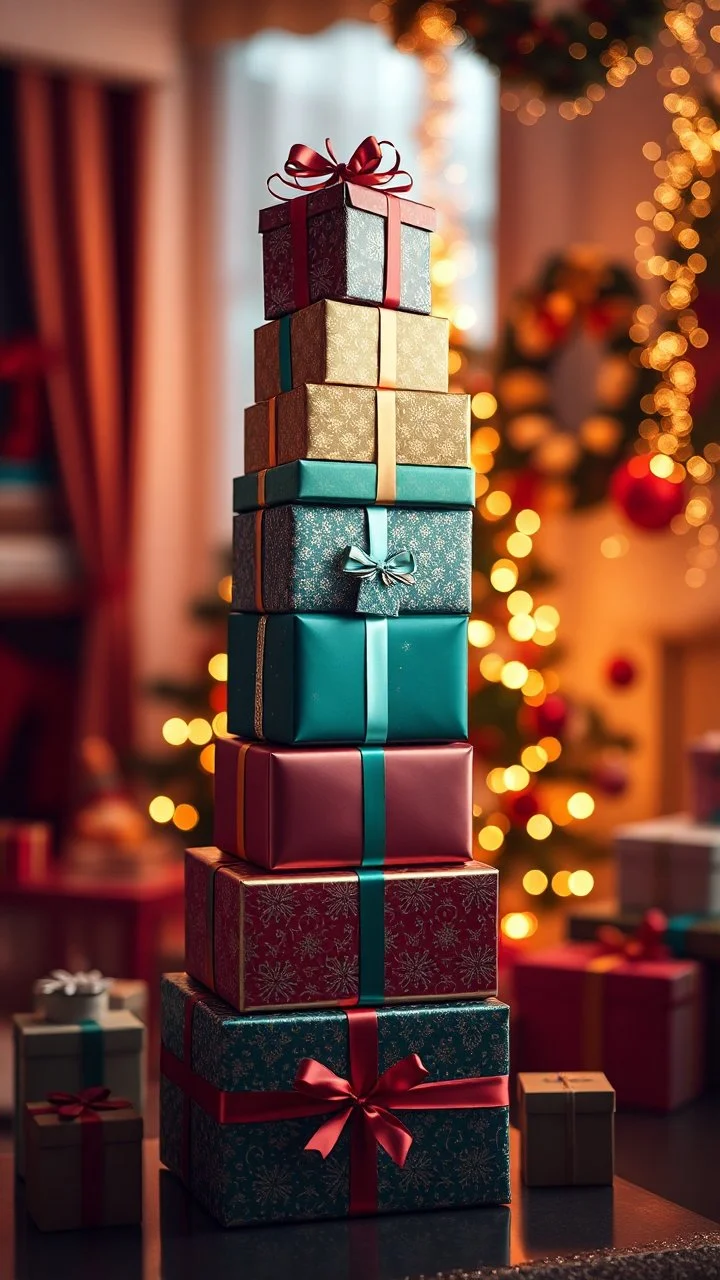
{"x":289,"y":1117}
{"x":312,"y":677}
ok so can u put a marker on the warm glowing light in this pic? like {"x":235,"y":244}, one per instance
{"x":615,"y":546}
{"x":490,"y":838}
{"x":207,"y":758}
{"x":519,"y":544}
{"x":539,"y":826}
{"x":518,"y":925}
{"x":534,"y":758}
{"x":491,"y":667}
{"x":551,"y":746}
{"x":527,"y":521}
{"x":486,"y":438}
{"x":581,"y":883}
{"x":219,"y":724}
{"x":516,"y":778}
{"x":521,"y":627}
{"x":504,"y":575}
{"x":186,"y":817}
{"x":199,"y":731}
{"x":498,"y":503}
{"x":520,"y":602}
{"x":455,"y":361}
{"x":496,"y":781}
{"x":484,"y":404}
{"x":547,"y":618}
{"x":561,"y":884}
{"x":161,"y":809}
{"x":225,"y":588}
{"x":534,"y":685}
{"x":514,"y":674}
{"x":535,"y":882}
{"x":480,"y":633}
{"x":580,"y":805}
{"x":217,"y":666}
{"x":464,"y":317}
{"x":661,"y":465}
{"x":175,"y":731}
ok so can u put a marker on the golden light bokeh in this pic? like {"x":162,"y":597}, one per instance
{"x":186,"y":817}
{"x":580,"y":805}
{"x":519,"y":924}
{"x":199,"y":731}
{"x":539,"y":826}
{"x":175,"y":731}
{"x":480,"y":633}
{"x":161,"y":809}
{"x":490,"y":838}
{"x":561,"y":884}
{"x":218,"y":667}
{"x":581,"y":883}
{"x":535,"y":882}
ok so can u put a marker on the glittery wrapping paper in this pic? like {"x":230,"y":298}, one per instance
{"x":254,"y":1173}
{"x":304,"y":549}
{"x":303,"y":807}
{"x":346,"y":251}
{"x":336,"y":342}
{"x":338,"y":424}
{"x":302,"y":677}
{"x":285,"y":941}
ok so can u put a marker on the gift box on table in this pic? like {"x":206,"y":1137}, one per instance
{"x":350,"y":243}
{"x":50,"y":1056}
{"x":567,"y":1126}
{"x":250,"y":1103}
{"x":339,"y":938}
{"x":345,"y":559}
{"x":705,"y":777}
{"x":358,"y":424}
{"x":310,"y":677}
{"x":84,"y":1161}
{"x":318,"y":808}
{"x":670,"y":863}
{"x":346,"y":345}
{"x":584,"y":1007}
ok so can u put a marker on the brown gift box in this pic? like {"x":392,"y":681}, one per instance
{"x":55,"y":1194}
{"x":567,"y":1127}
{"x":337,"y":342}
{"x":130,"y":994}
{"x":339,"y":424}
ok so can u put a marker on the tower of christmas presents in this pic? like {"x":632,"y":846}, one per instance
{"x":336,"y":1047}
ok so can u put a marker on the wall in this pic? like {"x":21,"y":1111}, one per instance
{"x":134,"y":39}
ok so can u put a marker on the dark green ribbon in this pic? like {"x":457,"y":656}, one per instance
{"x":92,"y":1053}
{"x":678,"y":928}
{"x":371,"y":879}
{"x":286,"y":377}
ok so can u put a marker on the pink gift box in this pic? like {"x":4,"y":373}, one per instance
{"x":705,"y":777}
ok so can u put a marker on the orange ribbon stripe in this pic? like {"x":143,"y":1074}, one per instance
{"x":240,"y":798}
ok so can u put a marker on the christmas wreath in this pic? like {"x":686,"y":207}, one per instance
{"x":559,"y":45}
{"x":569,"y":382}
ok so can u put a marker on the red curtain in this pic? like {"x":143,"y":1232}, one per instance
{"x":80,"y":145}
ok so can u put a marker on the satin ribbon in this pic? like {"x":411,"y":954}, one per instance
{"x":367,"y":1100}
{"x":376,"y":680}
{"x":285,"y":354}
{"x":392,"y":570}
{"x":387,"y":349}
{"x":85,"y":1106}
{"x":371,"y":881}
{"x":92,"y":1053}
{"x":645,"y":944}
{"x":386,"y":446}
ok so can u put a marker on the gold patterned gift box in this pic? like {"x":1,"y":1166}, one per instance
{"x":347,"y":424}
{"x":337,"y":342}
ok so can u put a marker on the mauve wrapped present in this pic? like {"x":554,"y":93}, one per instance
{"x":339,"y":938}
{"x":333,"y":559}
{"x":705,"y":778}
{"x":317,"y":808}
{"x":315,"y":678}
{"x":336,"y":342}
{"x":638,"y":1018}
{"x":670,"y":863}
{"x":358,"y":424}
{"x":407,"y":1104}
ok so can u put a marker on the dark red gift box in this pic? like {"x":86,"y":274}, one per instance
{"x":581,"y":1008}
{"x":305,"y":808}
{"x":277,"y":941}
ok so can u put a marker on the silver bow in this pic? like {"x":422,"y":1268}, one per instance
{"x":60,"y":981}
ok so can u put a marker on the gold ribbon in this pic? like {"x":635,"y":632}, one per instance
{"x":385,"y":411}
{"x":261,"y":487}
{"x":593,"y":1003}
{"x":272,"y":431}
{"x":387,"y":349}
{"x":240,"y":798}
{"x":259,"y":559}
{"x":259,"y":669}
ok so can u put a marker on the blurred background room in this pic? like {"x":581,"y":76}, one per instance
{"x":578,"y":197}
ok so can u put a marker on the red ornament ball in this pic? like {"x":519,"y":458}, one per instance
{"x":521,"y":806}
{"x":551,"y":717}
{"x":621,"y":672}
{"x":648,"y":501}
{"x":610,"y":777}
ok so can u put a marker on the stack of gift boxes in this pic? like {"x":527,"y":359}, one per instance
{"x":636,"y":990}
{"x":336,"y":1046}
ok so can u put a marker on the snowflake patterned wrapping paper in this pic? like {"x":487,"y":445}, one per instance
{"x":335,"y":342}
{"x":338,"y":938}
{"x":314,"y":678}
{"x":259,"y":1171}
{"x":341,"y":424}
{"x":346,"y":253}
{"x":300,"y":557}
{"x":319,"y":808}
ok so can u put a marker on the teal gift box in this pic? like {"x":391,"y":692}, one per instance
{"x":311,"y":677}
{"x":290,"y":1117}
{"x":348,"y":559}
{"x":349,"y":483}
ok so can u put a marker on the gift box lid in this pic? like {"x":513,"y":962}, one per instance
{"x":358,"y":197}
{"x":123,"y":1125}
{"x":665,"y":982}
{"x":677,"y":830}
{"x":40,"y":1039}
{"x":248,"y":873}
{"x":547,"y":1092}
{"x":354,"y":484}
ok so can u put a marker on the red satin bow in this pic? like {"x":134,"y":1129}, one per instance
{"x":646,"y":943}
{"x":73,"y":1106}
{"x":390,"y":1090}
{"x":308,"y":170}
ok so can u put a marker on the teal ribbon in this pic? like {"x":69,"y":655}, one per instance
{"x":371,"y":985}
{"x":376,"y":680}
{"x":396,"y":568}
{"x":677,"y":930}
{"x":92,"y":1053}
{"x":286,"y":378}
{"x":373,"y":793}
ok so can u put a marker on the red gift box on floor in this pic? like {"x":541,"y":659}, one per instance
{"x":305,"y":808}
{"x":25,"y":851}
{"x":339,"y":938}
{"x":581,"y":1007}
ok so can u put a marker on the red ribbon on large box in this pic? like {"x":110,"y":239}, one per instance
{"x":367,"y":1101}
{"x":84,"y":1106}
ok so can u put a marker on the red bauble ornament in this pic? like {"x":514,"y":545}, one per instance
{"x":648,"y":501}
{"x":486,"y":739}
{"x":551,"y":717}
{"x":610,"y":777}
{"x":520,"y":806}
{"x":621,"y":672}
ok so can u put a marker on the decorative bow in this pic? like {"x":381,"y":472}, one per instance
{"x":307,"y":170}
{"x":646,"y":943}
{"x":92,"y":983}
{"x":322,"y":1085}
{"x":74,"y":1106}
{"x":399,"y":567}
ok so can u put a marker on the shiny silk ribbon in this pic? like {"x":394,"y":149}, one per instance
{"x":394,"y":569}
{"x":84,"y":1106}
{"x":368,"y":1100}
{"x":308,"y":170}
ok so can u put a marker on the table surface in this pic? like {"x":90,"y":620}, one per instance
{"x":179,"y":1241}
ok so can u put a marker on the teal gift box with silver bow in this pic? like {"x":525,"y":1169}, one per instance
{"x":349,"y":559}
{"x":313,"y":677}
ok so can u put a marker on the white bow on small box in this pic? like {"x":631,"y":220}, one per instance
{"x":72,"y":997}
